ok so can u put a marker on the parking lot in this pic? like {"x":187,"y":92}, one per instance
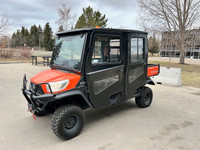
{"x":172,"y":121}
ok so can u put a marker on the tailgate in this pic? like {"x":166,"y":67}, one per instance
{"x":153,"y":69}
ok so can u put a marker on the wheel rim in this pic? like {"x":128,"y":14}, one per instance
{"x":147,"y":98}
{"x":70,"y":122}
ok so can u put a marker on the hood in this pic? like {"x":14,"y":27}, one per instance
{"x":53,"y":75}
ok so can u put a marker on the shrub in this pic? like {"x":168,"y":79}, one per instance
{"x":25,"y":53}
{"x":5,"y":54}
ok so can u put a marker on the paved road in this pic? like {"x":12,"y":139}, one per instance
{"x":172,"y":121}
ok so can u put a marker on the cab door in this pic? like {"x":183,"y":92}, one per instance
{"x":105,"y":69}
{"x":137,"y":63}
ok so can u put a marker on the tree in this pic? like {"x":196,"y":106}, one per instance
{"x":66,"y":19}
{"x":18,"y":38}
{"x":153,"y":45}
{"x":4,"y":24}
{"x":91,"y":18}
{"x":60,"y":29}
{"x":5,"y":41}
{"x":48,"y":41}
{"x":34,"y":36}
{"x":13,"y":40}
{"x":174,"y":16}
{"x":22,"y":36}
{"x":26,"y":36}
{"x":40,"y":34}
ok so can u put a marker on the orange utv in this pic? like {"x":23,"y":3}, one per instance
{"x":91,"y":68}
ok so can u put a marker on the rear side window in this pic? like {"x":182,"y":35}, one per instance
{"x":106,"y":50}
{"x":136,"y":50}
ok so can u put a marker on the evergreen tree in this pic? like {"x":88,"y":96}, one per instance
{"x":26,"y":36}
{"x":23,"y":31}
{"x":153,"y":45}
{"x":60,"y":29}
{"x":48,"y":40}
{"x":150,"y":42}
{"x":13,"y":40}
{"x":91,"y":18}
{"x":18,"y":38}
{"x":34,"y":36}
{"x":23,"y":38}
{"x":40,"y":33}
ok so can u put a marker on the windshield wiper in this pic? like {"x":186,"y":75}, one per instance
{"x":64,"y":68}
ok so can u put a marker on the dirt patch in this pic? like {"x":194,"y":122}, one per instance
{"x":196,"y":93}
{"x":168,"y":129}
{"x":186,"y":124}
{"x":176,"y":138}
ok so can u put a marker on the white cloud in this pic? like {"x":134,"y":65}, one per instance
{"x":26,"y":13}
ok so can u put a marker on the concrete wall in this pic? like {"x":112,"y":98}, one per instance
{"x":168,"y":76}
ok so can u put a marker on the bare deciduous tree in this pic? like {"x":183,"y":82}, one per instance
{"x":66,"y":19}
{"x":4,"y":24}
{"x":5,"y":41}
{"x":174,"y":16}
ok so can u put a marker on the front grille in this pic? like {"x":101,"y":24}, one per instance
{"x":33,"y":88}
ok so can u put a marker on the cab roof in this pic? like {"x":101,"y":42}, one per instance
{"x":100,"y":29}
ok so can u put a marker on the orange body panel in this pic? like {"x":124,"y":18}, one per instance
{"x":152,"y":71}
{"x":53,"y":75}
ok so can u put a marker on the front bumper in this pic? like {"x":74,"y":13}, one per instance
{"x":36,"y":102}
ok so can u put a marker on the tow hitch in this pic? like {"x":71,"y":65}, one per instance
{"x":32,"y":111}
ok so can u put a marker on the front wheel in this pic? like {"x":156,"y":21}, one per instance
{"x":145,"y":99}
{"x":67,"y":121}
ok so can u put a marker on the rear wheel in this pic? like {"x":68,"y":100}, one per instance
{"x":145,"y":99}
{"x":67,"y":121}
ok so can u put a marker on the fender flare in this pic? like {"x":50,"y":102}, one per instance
{"x":72,"y":93}
{"x":150,"y":81}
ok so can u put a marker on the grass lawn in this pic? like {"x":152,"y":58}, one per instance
{"x":190,"y":72}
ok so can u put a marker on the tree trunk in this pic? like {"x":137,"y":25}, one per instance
{"x":182,"y":46}
{"x":182,"y":57}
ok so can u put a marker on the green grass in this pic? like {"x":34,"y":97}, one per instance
{"x":190,"y":72}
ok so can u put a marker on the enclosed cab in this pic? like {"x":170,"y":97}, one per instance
{"x":91,"y":68}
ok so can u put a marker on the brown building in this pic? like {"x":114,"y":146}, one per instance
{"x":169,"y":44}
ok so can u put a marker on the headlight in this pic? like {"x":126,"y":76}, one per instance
{"x":57,"y":86}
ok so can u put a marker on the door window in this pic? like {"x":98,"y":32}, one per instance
{"x":137,"y":50}
{"x":106,"y":50}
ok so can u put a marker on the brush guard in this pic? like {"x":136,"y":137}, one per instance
{"x":31,"y":97}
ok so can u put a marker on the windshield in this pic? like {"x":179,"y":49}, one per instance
{"x":68,"y":51}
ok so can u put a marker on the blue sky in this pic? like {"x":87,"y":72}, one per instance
{"x":120,"y":13}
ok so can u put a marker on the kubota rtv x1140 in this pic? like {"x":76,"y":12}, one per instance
{"x":91,"y":68}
